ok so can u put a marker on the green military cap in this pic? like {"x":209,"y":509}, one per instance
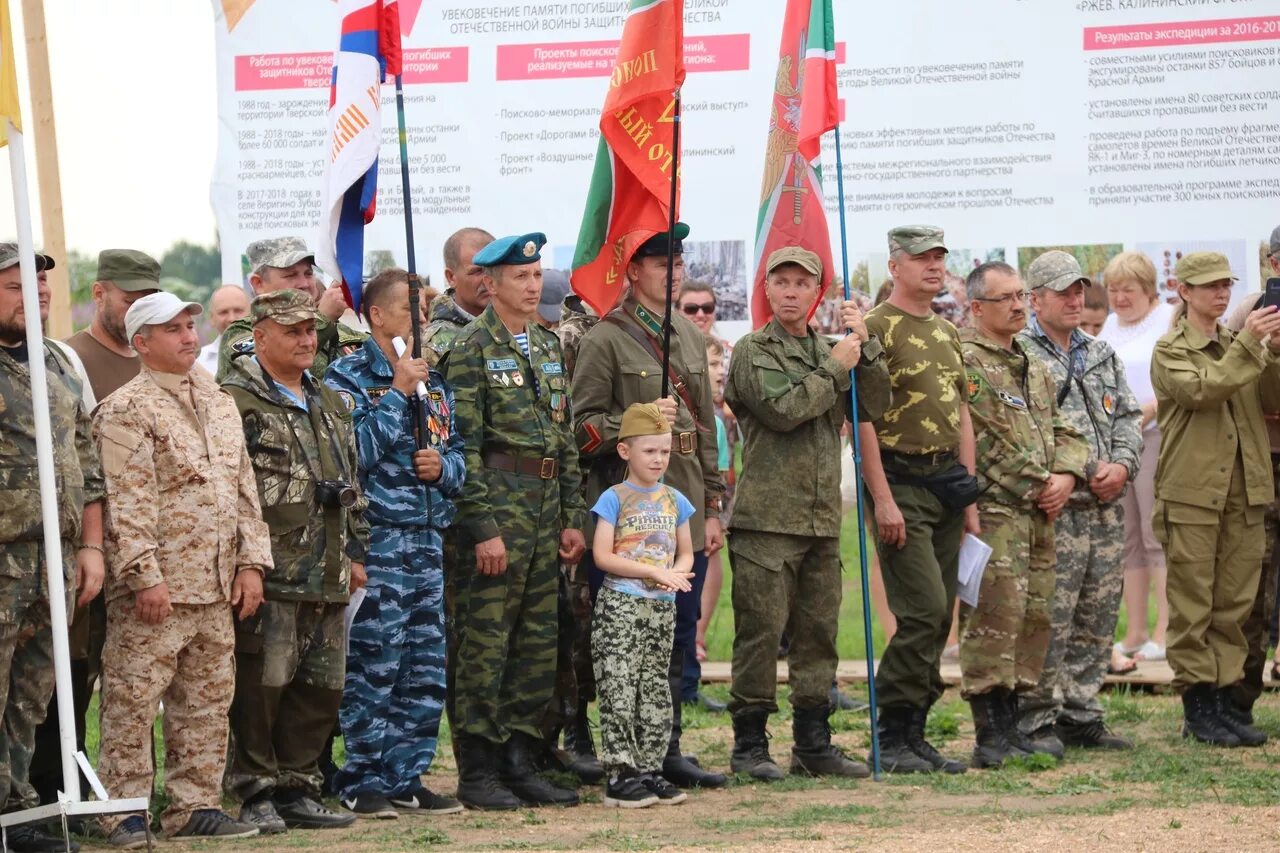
{"x":915,"y":239}
{"x":515,"y":250}
{"x":129,"y":269}
{"x":656,"y":246}
{"x":1202,"y":268}
{"x":286,"y":307}
{"x":278,"y":252}
{"x":9,"y":258}
{"x":1056,"y":270}
{"x":794,"y":255}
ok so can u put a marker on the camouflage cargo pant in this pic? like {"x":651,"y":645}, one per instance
{"x":506,"y":625}
{"x":395,"y":685}
{"x":290,"y":663}
{"x":779,"y":580}
{"x":26,"y":664}
{"x":1089,"y":541}
{"x":631,"y":645}
{"x":1004,"y":639}
{"x":188,"y":661}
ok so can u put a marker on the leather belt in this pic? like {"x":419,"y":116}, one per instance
{"x":919,"y":458}
{"x":686,"y":442}
{"x":546,"y":468}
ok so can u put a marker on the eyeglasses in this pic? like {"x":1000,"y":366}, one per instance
{"x":1024,"y":296}
{"x":692,"y":308}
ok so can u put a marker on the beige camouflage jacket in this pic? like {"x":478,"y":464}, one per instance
{"x":182,"y":500}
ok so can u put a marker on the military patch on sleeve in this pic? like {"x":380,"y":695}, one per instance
{"x":348,"y":400}
{"x":976,"y":385}
{"x":243,"y":347}
{"x":594,"y":439}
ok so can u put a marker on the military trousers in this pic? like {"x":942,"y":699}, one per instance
{"x":1214,"y":559}
{"x":506,"y":625}
{"x":188,"y":661}
{"x":920,"y":586}
{"x":779,"y":579}
{"x":395,"y":681}
{"x":1259,"y":627}
{"x":1089,"y":542}
{"x":1004,"y":639}
{"x":631,"y":647}
{"x":290,"y":664}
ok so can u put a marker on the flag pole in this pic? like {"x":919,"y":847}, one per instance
{"x":671,"y":248}
{"x":856,"y":445}
{"x":415,"y":285}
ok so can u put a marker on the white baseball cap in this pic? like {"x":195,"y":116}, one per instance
{"x":156,"y":308}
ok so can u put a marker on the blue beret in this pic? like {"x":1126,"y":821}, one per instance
{"x":515,"y":250}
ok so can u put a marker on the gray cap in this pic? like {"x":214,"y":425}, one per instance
{"x":129,"y":269}
{"x":278,"y":252}
{"x":1275,"y":242}
{"x":9,"y":257}
{"x":555,"y":287}
{"x":1056,"y":270}
{"x":155,"y":309}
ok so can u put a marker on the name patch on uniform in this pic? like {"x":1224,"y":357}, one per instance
{"x":501,"y":365}
{"x":1010,"y":400}
{"x":552,"y":368}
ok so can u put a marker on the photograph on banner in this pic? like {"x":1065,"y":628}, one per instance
{"x":1165,"y":254}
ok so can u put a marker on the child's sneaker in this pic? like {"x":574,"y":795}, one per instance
{"x":667,"y":794}
{"x":628,"y":791}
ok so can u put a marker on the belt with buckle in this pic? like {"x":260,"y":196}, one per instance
{"x":686,"y":442}
{"x":928,"y":459}
{"x":546,"y":468}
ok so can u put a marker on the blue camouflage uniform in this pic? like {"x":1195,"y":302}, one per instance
{"x":395,"y":686}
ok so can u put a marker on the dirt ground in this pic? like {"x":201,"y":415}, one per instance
{"x":1165,"y":795}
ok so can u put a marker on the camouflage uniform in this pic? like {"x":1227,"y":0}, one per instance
{"x":1088,"y":534}
{"x":291,"y":654}
{"x":512,"y":413}
{"x":395,"y":688}
{"x":182,"y":509}
{"x":26,"y":639}
{"x":791,"y":398}
{"x":447,"y":322}
{"x":1021,"y":440}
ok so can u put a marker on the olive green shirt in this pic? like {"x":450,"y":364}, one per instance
{"x":791,"y":398}
{"x":1210,"y":396}
{"x":927,"y":376}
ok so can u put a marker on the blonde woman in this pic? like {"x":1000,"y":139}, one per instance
{"x":1137,"y":320}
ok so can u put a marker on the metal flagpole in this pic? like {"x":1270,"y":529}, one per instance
{"x":415,"y":285}
{"x":671,"y":248}
{"x":856,"y":444}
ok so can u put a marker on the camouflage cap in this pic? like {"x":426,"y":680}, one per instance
{"x":643,"y":419}
{"x":915,"y":239}
{"x":794,"y":255}
{"x":129,"y":269}
{"x":1203,"y":267}
{"x":278,"y":252}
{"x":9,"y":258}
{"x":1056,"y":270}
{"x":286,"y":307}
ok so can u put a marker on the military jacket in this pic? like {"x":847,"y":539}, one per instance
{"x":613,"y":371}
{"x":447,"y":322}
{"x":384,"y":438}
{"x":292,"y":448}
{"x":1098,"y":402}
{"x":791,"y":398}
{"x":77,"y":469}
{"x":576,"y":319}
{"x":182,"y":499}
{"x":1021,"y":436}
{"x":510,"y":404}
{"x":333,"y":340}
{"x":1210,"y":396}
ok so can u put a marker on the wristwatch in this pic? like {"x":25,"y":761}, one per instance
{"x":714,"y":505}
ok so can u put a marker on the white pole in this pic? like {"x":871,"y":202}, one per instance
{"x":44,"y":459}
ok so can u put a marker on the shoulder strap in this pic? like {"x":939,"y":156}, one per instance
{"x":650,"y":345}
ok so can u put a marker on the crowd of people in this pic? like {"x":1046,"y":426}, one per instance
{"x":304,"y":531}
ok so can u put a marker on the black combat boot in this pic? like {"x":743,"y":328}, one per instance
{"x":751,"y":746}
{"x":813,"y":753}
{"x":1201,"y":719}
{"x":1238,"y":720}
{"x":1043,"y":740}
{"x":581,"y":749}
{"x":921,"y":747}
{"x":896,"y":755}
{"x":677,"y":768}
{"x":991,"y":746}
{"x":478,"y":785}
{"x":519,"y":775}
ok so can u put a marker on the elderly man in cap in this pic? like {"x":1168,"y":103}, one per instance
{"x":285,"y":263}
{"x":520,"y":516}
{"x":291,"y":654}
{"x":790,"y":390}
{"x":466,"y":295}
{"x":1094,"y":397}
{"x":186,"y":546}
{"x":227,"y":304}
{"x":26,"y":639}
{"x":619,"y":363}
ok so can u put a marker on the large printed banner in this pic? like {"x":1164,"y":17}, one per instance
{"x":1094,"y":125}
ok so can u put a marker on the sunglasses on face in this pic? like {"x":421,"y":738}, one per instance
{"x":692,"y":308}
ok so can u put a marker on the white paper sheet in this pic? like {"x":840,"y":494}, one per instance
{"x":974,"y":554}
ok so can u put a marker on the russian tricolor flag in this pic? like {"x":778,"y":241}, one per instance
{"x":368,"y":52}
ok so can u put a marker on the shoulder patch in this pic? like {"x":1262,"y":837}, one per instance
{"x":243,"y":347}
{"x":348,"y":400}
{"x":976,"y":385}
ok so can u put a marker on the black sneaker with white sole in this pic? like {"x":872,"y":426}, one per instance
{"x":423,"y":800}
{"x":628,"y":792}
{"x":667,"y":794}
{"x":370,"y":805}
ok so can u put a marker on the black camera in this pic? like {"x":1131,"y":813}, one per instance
{"x":336,"y":494}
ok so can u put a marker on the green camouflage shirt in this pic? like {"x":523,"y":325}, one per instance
{"x":333,"y":341}
{"x":290,"y":449}
{"x":447,"y":322}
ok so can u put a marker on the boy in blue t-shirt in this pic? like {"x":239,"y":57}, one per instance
{"x":643,"y":545}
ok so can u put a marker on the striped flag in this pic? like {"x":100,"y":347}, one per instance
{"x":8,"y":76}
{"x":368,"y":52}
{"x":630,"y":194}
{"x":805,"y":106}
